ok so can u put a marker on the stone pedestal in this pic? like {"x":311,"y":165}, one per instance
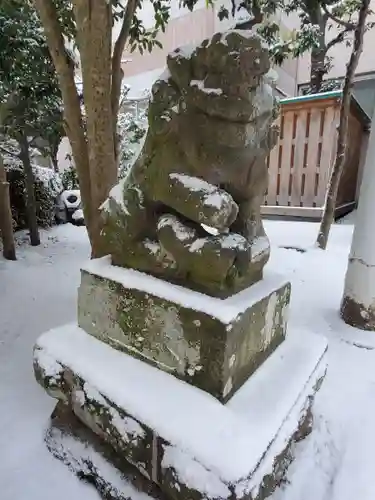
{"x":188,"y":389}
{"x":147,"y":370}
{"x":179,"y":437}
{"x":213,"y":344}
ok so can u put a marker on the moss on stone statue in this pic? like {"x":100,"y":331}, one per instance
{"x":192,"y":345}
{"x":154,"y":455}
{"x":125,"y":434}
{"x":204,"y":162}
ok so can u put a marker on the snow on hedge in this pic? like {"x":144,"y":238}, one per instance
{"x":47,"y":184}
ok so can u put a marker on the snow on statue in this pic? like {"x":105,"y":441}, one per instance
{"x":180,"y":383}
{"x":203,"y":163}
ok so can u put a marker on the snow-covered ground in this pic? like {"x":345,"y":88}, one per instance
{"x":39,"y":292}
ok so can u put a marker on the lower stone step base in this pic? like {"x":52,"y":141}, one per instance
{"x":94,"y":461}
{"x":179,"y":437}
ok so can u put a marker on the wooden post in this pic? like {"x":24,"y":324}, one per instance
{"x":6,"y":223}
{"x":30,"y":190}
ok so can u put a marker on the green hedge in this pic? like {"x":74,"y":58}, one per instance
{"x":47,"y":187}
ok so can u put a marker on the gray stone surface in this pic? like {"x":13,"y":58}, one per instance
{"x":171,"y":462}
{"x":203,"y":163}
{"x":85,"y":459}
{"x":126,"y":435}
{"x":215,"y":355}
{"x":94,"y":460}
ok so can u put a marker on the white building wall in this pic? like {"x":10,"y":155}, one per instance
{"x":185,"y":27}
{"x":191,"y":27}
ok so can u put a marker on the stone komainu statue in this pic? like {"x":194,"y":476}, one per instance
{"x":189,"y":209}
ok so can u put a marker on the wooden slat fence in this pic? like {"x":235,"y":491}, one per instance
{"x":299,"y":165}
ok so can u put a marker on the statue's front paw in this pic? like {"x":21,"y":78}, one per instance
{"x":208,"y":260}
{"x":199,"y":201}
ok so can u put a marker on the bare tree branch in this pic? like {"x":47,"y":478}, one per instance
{"x":32,"y":140}
{"x":10,"y":153}
{"x":119,"y":48}
{"x":117,"y":73}
{"x":256,"y":12}
{"x":62,"y":61}
{"x":345,"y":24}
{"x":325,"y":16}
{"x":338,"y":39}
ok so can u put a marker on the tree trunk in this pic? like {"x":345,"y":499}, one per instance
{"x":317,"y":71}
{"x":94,"y":36}
{"x":30,"y":191}
{"x":54,"y":163}
{"x":93,"y":152}
{"x":334,"y":181}
{"x":358,"y":302}
{"x":6,"y":222}
{"x":72,"y":111}
{"x":318,"y":66}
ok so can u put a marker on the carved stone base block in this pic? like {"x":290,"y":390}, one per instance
{"x":95,"y":461}
{"x":179,"y":437}
{"x":214,"y":344}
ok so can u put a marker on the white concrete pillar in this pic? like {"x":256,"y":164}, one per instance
{"x":358,"y":302}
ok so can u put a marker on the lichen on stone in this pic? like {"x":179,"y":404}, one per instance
{"x":203,"y":164}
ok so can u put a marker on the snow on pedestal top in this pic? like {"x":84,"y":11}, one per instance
{"x":227,"y":440}
{"x":225,"y":310}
